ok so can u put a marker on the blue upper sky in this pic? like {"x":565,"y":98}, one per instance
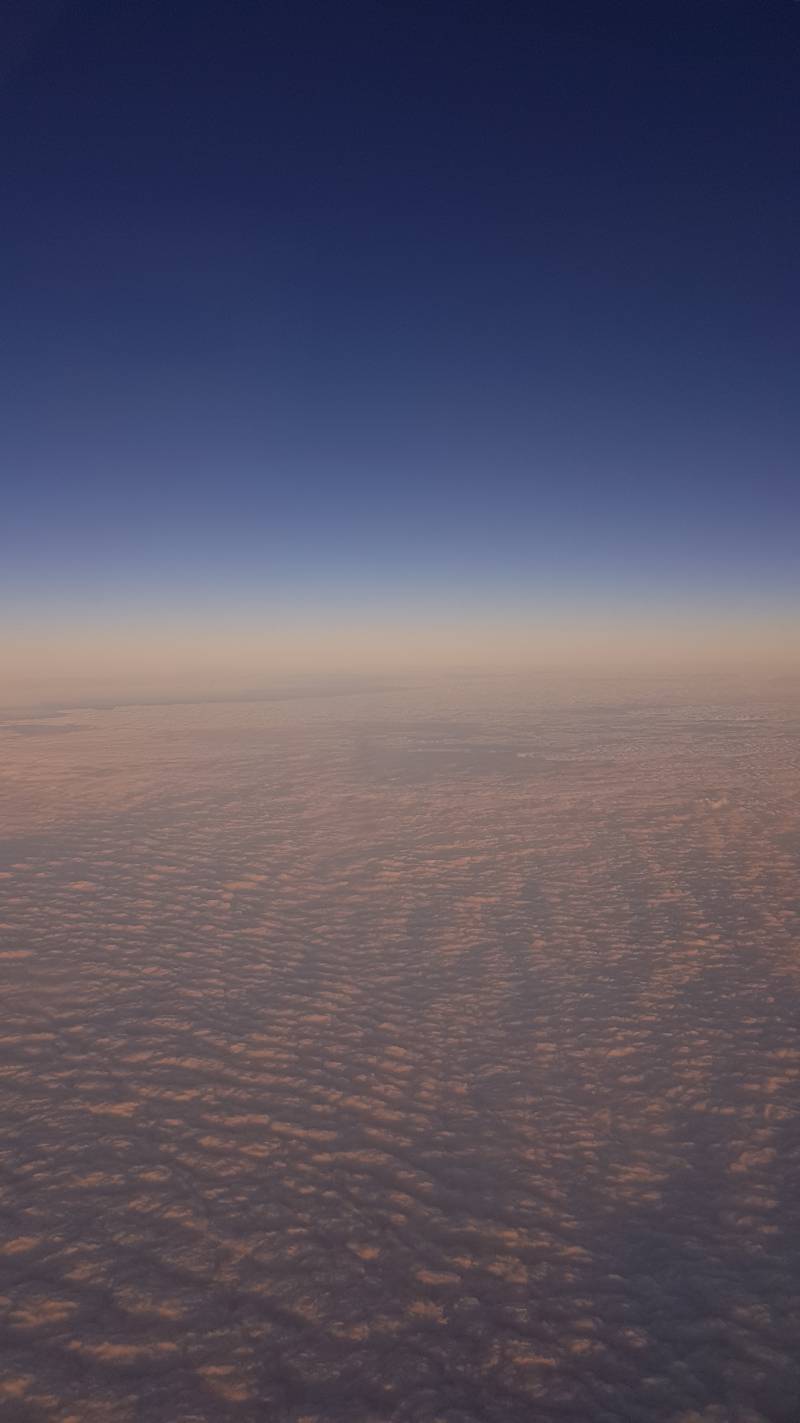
{"x":398,"y":299}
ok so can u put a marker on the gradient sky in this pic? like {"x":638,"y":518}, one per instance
{"x":424,"y":314}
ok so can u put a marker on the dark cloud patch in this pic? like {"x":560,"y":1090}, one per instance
{"x":35,"y":728}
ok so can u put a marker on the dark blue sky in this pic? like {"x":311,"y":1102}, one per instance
{"x":319,"y":300}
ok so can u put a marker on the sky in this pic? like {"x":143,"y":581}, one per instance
{"x":382,"y":334}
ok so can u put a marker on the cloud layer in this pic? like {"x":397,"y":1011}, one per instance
{"x":426,"y":1056}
